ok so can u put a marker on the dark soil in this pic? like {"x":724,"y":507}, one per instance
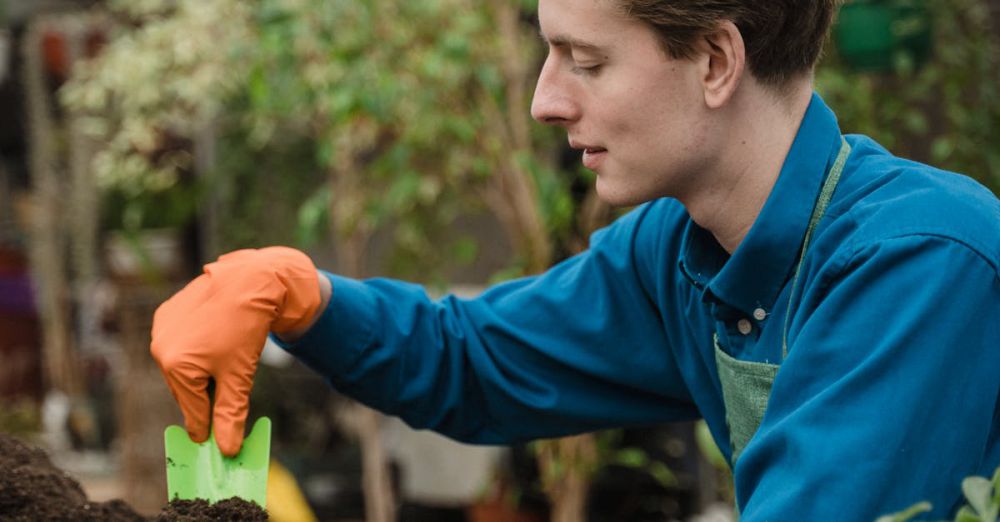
{"x":234,"y":509}
{"x":32,"y":489}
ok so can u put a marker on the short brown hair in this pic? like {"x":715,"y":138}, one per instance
{"x":783,"y":38}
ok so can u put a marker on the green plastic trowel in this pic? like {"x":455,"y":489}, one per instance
{"x":199,"y":470}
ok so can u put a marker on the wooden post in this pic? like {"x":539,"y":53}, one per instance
{"x":47,"y":243}
{"x":145,"y":406}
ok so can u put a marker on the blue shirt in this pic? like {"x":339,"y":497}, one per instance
{"x":888,"y":395}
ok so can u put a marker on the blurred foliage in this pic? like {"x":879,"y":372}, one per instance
{"x":166,"y":73}
{"x":20,"y":418}
{"x":386,"y":92}
{"x":725,"y":488}
{"x":982,"y":497}
{"x":169,"y":207}
{"x":635,"y":458}
{"x":405,"y":96}
{"x":260,"y":193}
{"x":565,"y":461}
{"x":945,"y":112}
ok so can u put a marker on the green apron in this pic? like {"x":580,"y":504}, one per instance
{"x":746,"y":385}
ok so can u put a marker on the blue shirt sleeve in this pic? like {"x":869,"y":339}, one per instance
{"x":889,"y":392}
{"x":579,"y":348}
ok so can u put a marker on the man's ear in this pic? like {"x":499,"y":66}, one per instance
{"x":726,"y":61}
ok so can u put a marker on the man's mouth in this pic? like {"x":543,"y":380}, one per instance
{"x":592,"y":154}
{"x":592,"y":157}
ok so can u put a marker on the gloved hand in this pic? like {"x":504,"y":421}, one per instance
{"x":216,"y":327}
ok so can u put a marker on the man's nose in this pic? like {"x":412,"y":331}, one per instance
{"x":552,"y":103}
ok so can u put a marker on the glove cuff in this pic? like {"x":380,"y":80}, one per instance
{"x":298,"y":275}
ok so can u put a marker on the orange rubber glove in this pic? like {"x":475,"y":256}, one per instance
{"x":216,"y":327}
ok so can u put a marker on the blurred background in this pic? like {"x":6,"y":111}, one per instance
{"x":140,"y":139}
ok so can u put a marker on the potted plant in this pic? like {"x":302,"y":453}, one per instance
{"x":148,"y":201}
{"x":144,"y":239}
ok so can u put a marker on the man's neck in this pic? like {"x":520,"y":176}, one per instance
{"x":758,"y":134}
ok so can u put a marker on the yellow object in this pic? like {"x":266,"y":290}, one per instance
{"x":285,"y":501}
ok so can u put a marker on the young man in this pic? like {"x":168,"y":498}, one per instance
{"x":830,"y":310}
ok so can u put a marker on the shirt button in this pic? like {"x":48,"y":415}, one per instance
{"x":744,"y":326}
{"x":760,"y":314}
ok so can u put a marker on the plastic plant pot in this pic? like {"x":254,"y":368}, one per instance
{"x":870,"y":34}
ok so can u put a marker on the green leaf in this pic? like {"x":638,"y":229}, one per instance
{"x":257,"y":88}
{"x":979,"y":491}
{"x":916,"y":122}
{"x":662,"y":474}
{"x":906,"y":514}
{"x":708,"y":447}
{"x":402,"y":192}
{"x":996,"y":487}
{"x":556,"y":470}
{"x":942,"y":148}
{"x":966,"y":515}
{"x":465,"y":250}
{"x":631,"y":457}
{"x":325,"y":152}
{"x":313,"y":217}
{"x":514,"y":270}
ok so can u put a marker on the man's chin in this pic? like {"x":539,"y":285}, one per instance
{"x":616,"y":195}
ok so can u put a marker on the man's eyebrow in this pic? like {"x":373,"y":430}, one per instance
{"x":561,"y":40}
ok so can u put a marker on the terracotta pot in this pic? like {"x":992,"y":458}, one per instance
{"x":56,"y":54}
{"x":500,"y":511}
{"x":55,"y":50}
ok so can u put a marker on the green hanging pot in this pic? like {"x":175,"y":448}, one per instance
{"x":870,"y":34}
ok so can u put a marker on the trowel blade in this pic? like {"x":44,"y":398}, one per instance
{"x":199,"y":470}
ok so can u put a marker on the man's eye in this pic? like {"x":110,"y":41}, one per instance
{"x":589,"y":70}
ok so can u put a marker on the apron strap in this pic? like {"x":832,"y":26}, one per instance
{"x":825,"y":195}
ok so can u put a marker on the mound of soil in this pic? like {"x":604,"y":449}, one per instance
{"x":32,"y":489}
{"x":235,"y":509}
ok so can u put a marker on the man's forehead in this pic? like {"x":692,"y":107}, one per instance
{"x":583,"y":24}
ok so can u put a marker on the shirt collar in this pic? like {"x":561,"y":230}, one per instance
{"x":759,"y":268}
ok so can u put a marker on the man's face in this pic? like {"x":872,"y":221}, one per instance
{"x":637,"y":115}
